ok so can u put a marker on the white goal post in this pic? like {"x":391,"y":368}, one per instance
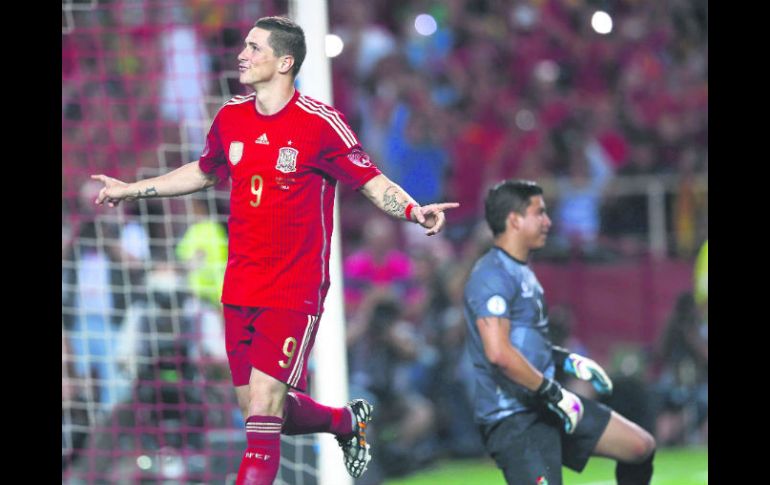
{"x":330,"y":377}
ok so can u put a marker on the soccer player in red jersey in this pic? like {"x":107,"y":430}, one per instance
{"x":284,"y":153}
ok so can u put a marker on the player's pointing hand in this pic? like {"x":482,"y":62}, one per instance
{"x":432,"y":216}
{"x":113,"y":191}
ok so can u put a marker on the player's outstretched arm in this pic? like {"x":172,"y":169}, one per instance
{"x":184,"y":180}
{"x":393,"y":200}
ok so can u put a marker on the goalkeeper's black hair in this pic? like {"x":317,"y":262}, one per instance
{"x":506,"y":197}
{"x":286,"y":38}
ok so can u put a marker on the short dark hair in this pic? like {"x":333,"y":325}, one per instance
{"x":286,"y":38}
{"x":506,"y":197}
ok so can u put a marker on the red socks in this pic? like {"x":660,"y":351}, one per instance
{"x":263,"y":455}
{"x":302,"y":415}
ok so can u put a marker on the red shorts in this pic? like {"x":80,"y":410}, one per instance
{"x":275,"y":341}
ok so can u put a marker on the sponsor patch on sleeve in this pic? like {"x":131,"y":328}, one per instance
{"x":360,"y":158}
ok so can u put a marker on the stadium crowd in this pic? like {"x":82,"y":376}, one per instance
{"x":500,"y":89}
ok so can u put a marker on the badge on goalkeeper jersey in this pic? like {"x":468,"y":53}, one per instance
{"x":496,"y":305}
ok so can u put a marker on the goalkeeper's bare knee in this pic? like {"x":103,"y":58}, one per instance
{"x":643,"y":448}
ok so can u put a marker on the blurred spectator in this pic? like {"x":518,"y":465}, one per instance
{"x":377,"y":108}
{"x":186,"y":78}
{"x":701,"y":277}
{"x":380,"y":265}
{"x":166,"y":395}
{"x":625,"y":216}
{"x":683,"y":381}
{"x":688,"y":205}
{"x":134,"y":238}
{"x":473,"y":146}
{"x":203,"y":250}
{"x":166,"y":369}
{"x":428,"y":52}
{"x":414,"y":149}
{"x":385,"y":360}
{"x":443,"y":327}
{"x":157,"y":215}
{"x":607,"y":132}
{"x":456,"y":367}
{"x":368,"y":42}
{"x":632,"y":395}
{"x":96,"y":289}
{"x":154,"y":319}
{"x":577,"y":218}
{"x":75,"y":419}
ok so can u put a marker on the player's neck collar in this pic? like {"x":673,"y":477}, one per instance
{"x":295,"y":95}
{"x":509,"y":255}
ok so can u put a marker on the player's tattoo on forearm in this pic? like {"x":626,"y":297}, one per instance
{"x":149,"y":192}
{"x":391,"y":204}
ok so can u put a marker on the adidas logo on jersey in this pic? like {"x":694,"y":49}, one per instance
{"x":262,"y":140}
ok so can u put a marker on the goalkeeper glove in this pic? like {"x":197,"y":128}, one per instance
{"x":566,"y":405}
{"x":583,"y":368}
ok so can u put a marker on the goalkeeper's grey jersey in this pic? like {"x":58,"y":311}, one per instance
{"x":502,"y":286}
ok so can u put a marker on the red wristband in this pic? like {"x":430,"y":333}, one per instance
{"x":408,"y":212}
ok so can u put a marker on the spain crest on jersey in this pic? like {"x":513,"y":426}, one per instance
{"x":287,"y":160}
{"x":236,"y":152}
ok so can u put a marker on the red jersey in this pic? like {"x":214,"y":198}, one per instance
{"x":284,"y":169}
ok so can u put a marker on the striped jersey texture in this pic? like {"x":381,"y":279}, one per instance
{"x":284,"y":169}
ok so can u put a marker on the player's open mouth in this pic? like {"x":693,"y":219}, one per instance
{"x":242,"y":68}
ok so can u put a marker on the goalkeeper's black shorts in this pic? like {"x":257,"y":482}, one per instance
{"x":531,"y":447}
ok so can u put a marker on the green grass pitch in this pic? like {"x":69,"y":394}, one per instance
{"x":673,"y":466}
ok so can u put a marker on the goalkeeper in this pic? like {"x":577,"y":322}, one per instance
{"x":530,"y":425}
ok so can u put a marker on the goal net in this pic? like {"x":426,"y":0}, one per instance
{"x":146,"y":392}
